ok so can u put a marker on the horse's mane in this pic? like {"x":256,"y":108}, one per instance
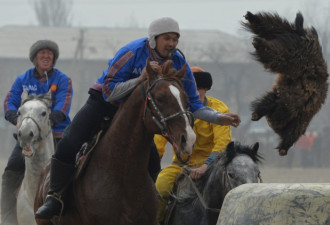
{"x":220,"y":161}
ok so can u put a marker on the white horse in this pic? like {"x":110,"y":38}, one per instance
{"x":36,"y":139}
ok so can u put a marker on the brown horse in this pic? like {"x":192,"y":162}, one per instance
{"x":116,"y":187}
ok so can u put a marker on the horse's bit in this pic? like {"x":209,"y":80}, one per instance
{"x":161,"y":123}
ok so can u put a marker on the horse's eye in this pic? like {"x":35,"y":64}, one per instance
{"x":159,"y":99}
{"x":43,"y":113}
{"x":18,"y":113}
{"x":231,"y":175}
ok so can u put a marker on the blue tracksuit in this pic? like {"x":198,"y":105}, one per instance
{"x":128,"y":64}
{"x":60,"y":86}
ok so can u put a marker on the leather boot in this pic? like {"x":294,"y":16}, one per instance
{"x":11,"y":181}
{"x":61,"y":175}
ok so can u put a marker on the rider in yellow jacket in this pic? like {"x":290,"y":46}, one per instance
{"x":209,"y":138}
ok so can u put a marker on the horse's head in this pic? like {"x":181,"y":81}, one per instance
{"x":236,"y":166}
{"x":166,"y":109}
{"x":241,"y":164}
{"x":33,"y":121}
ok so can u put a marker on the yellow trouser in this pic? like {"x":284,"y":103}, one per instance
{"x":164,"y":184}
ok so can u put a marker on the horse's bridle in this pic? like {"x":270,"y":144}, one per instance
{"x":226,"y":179}
{"x":161,"y":122}
{"x":186,"y":170}
{"x":40,"y":138}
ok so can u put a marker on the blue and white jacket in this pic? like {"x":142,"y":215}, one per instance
{"x":61,"y":89}
{"x":128,"y":64}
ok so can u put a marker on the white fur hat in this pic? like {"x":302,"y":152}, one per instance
{"x":161,"y":26}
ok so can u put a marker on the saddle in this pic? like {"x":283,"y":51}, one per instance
{"x":86,"y":150}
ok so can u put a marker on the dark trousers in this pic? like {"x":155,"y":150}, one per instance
{"x":84,"y":125}
{"x":16,"y":160}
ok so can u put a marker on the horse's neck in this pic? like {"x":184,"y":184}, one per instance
{"x":116,"y":144}
{"x":213,"y":198}
{"x":36,"y":163}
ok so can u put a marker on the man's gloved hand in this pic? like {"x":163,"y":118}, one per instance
{"x":55,"y":117}
{"x":11,"y":116}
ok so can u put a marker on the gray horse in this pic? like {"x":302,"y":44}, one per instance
{"x":199,"y":202}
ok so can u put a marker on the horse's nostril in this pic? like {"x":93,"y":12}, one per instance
{"x":31,"y":134}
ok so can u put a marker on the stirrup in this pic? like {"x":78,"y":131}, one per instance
{"x":58,"y":198}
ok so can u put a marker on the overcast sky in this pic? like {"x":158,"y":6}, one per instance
{"x":223,"y":15}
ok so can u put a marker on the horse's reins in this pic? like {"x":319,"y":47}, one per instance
{"x":161,"y":123}
{"x":200,"y":197}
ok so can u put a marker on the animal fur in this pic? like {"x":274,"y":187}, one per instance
{"x":295,"y":55}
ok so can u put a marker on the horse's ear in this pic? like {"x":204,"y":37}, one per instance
{"x":151,"y":73}
{"x":230,"y":150}
{"x":48,"y":98}
{"x":24,"y":96}
{"x":255,"y":147}
{"x":182,"y":72}
{"x":167,"y":66}
{"x":230,"y":147}
{"x":48,"y":95}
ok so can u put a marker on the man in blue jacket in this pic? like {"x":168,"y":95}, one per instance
{"x":38,"y":80}
{"x":121,"y":77}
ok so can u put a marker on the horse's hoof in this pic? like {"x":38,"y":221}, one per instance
{"x":282,"y":152}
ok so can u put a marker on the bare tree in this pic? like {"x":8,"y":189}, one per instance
{"x":53,"y":13}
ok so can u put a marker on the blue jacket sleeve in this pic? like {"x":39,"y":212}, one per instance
{"x":13,"y":98}
{"x":120,"y":70}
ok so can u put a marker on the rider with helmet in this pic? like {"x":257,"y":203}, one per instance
{"x":121,"y":77}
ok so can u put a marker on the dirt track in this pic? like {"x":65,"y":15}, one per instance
{"x":275,"y":175}
{"x":295,"y":175}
